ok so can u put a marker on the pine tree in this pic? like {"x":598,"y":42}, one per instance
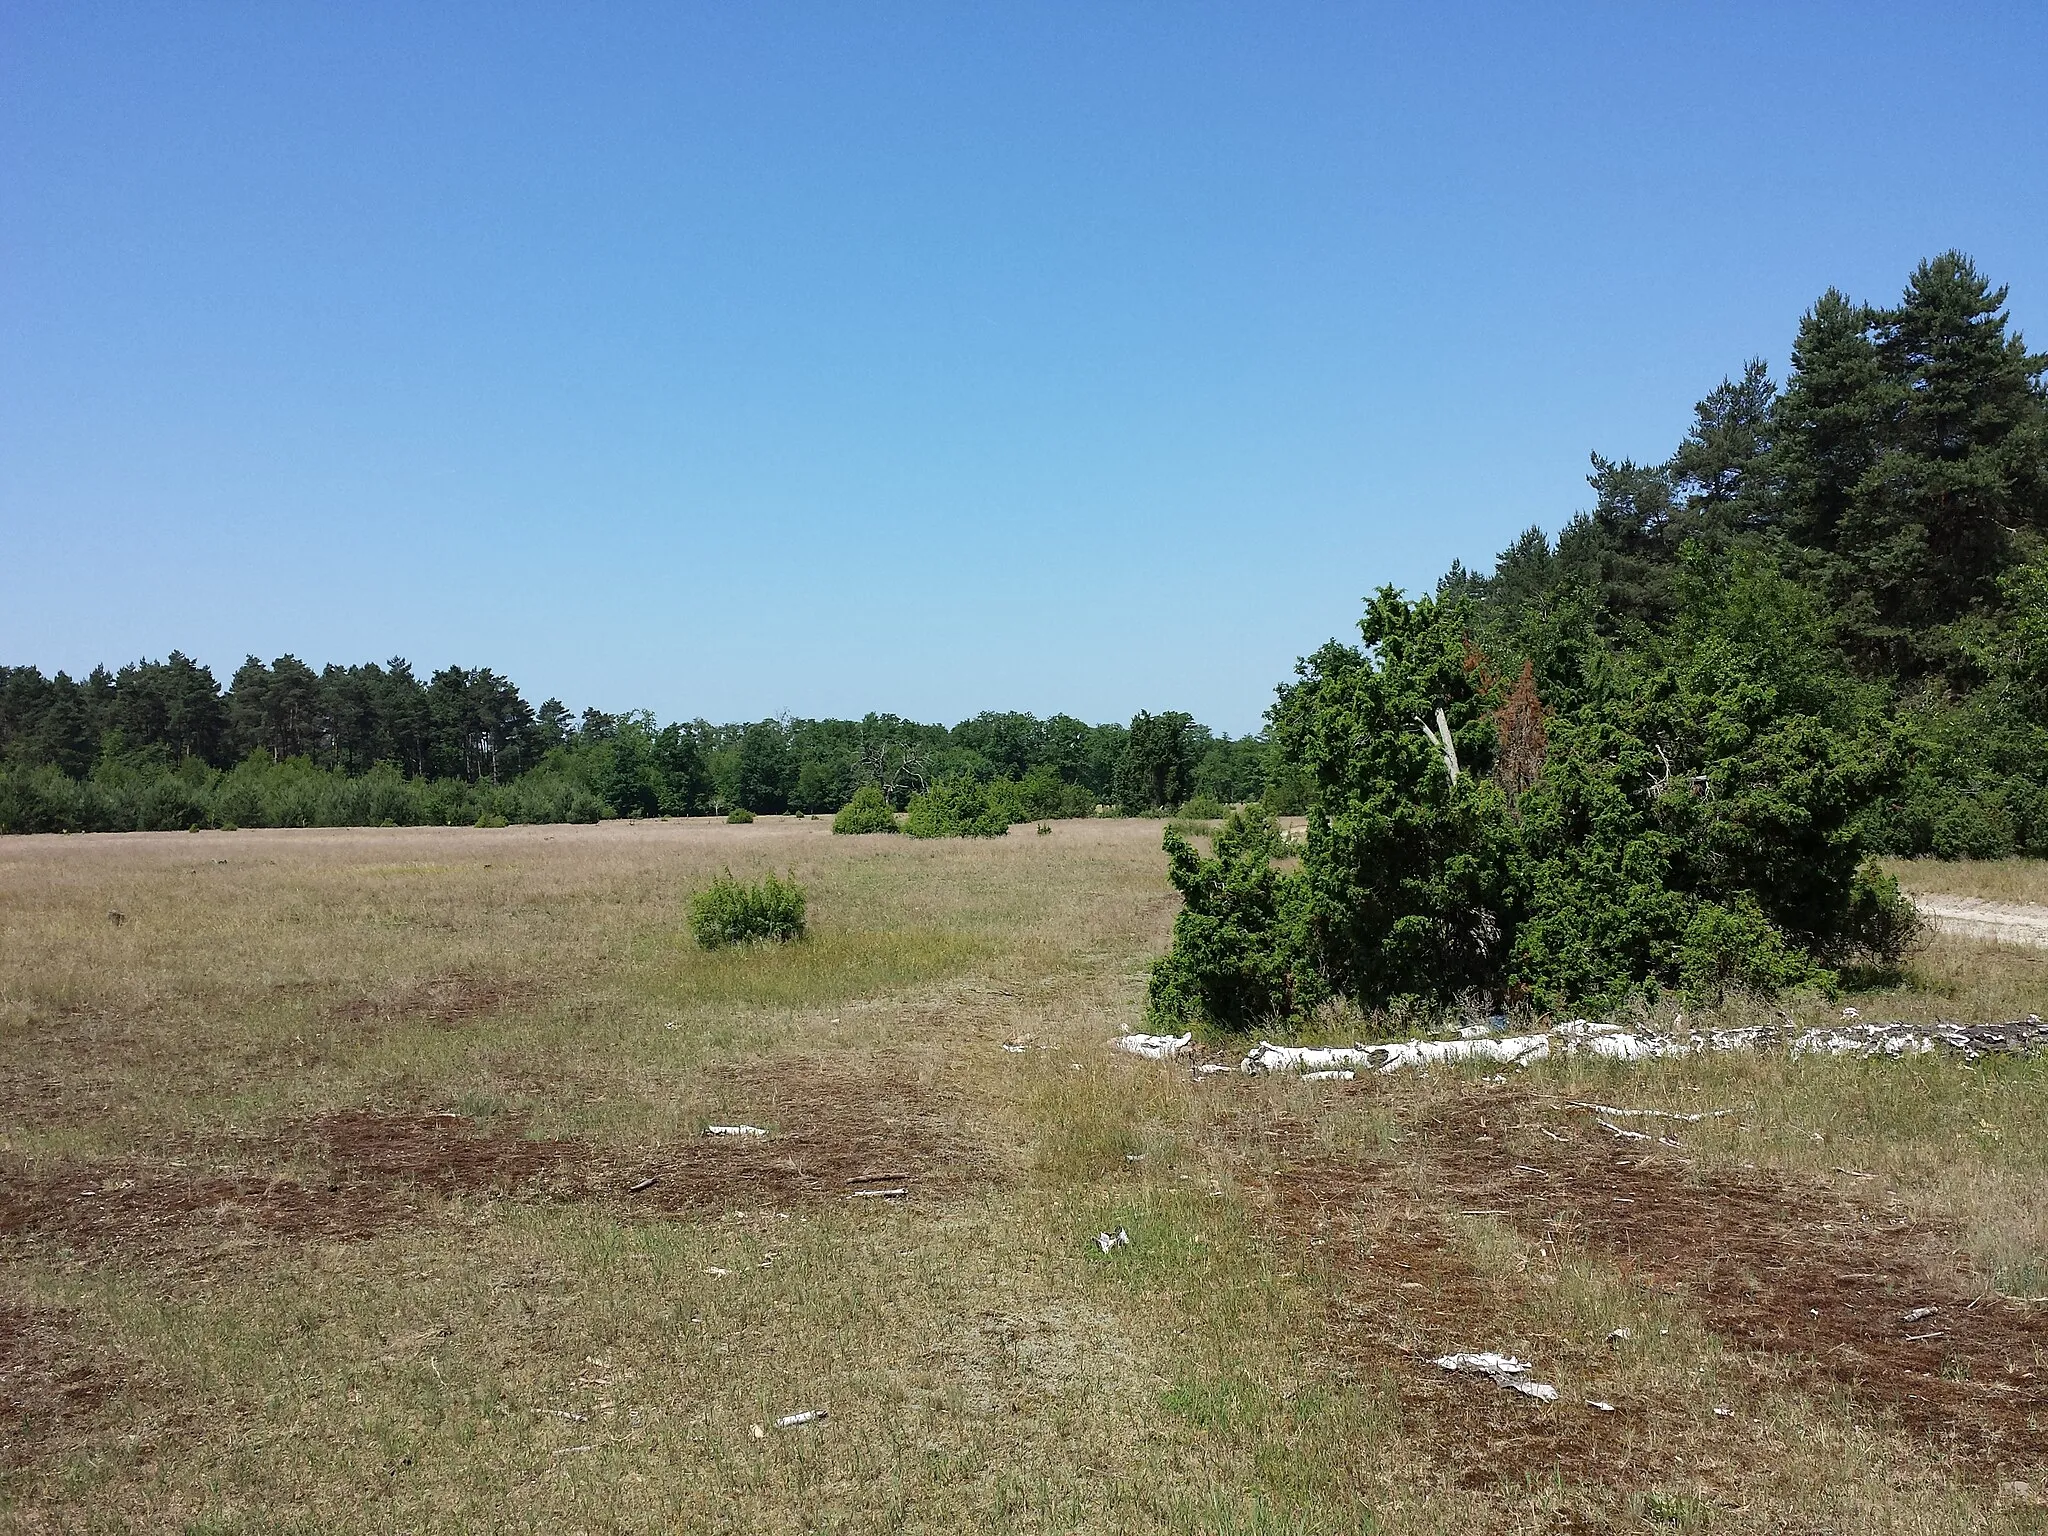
{"x":1624,"y":548}
{"x":1908,"y":454}
{"x":1829,"y":425}
{"x":1960,"y":481}
{"x":1715,"y":469}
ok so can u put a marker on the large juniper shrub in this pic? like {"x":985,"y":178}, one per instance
{"x":963,"y":807}
{"x":1692,"y":817}
{"x":867,"y":811}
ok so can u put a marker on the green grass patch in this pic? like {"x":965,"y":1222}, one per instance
{"x":831,"y":966}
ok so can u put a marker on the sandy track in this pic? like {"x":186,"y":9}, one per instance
{"x":2009,"y":922}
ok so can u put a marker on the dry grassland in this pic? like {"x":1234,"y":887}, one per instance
{"x":357,"y":1181}
{"x":2021,"y":880}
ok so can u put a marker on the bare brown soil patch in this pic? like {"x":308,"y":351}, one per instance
{"x":448,"y":1154}
{"x":169,"y":1212}
{"x":40,"y":1096}
{"x":1792,"y":1271}
{"x":1811,"y":1287}
{"x":832,"y":1133}
{"x":48,"y":1385}
{"x":168,"y":1216}
{"x":441,"y":1000}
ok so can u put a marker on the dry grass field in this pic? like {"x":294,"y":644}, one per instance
{"x":358,"y":1181}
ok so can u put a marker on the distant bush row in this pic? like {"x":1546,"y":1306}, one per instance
{"x":473,"y":724}
{"x":966,"y":807}
{"x":155,"y":797}
{"x":258,"y":793}
{"x":961,"y":806}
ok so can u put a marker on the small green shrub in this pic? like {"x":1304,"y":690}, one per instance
{"x":1041,"y":795}
{"x":867,"y":811}
{"x":1204,"y":808}
{"x":730,"y":911}
{"x":739,"y":815}
{"x":1735,"y":949}
{"x":1243,"y":953}
{"x":1287,"y":791}
{"x":490,"y":819}
{"x":1883,"y":922}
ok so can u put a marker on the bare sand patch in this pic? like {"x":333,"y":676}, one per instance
{"x":2004,"y":922}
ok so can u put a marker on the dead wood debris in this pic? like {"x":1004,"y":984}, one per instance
{"x":1812,"y":1285}
{"x":1789,"y":1270}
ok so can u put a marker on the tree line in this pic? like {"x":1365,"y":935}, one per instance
{"x":1655,"y":753}
{"x":161,"y":744}
{"x":1896,"y":487}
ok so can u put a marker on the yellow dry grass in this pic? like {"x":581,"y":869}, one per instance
{"x":308,"y":1342}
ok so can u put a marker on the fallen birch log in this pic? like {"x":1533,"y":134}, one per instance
{"x":1518,"y":1050}
{"x":1586,"y":1037}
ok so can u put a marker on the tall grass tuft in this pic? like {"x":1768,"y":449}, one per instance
{"x":730,"y":911}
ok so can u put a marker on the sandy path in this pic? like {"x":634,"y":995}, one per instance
{"x":1968,"y":917}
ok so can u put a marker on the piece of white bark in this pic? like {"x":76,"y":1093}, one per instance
{"x":1502,"y":1370}
{"x":1624,"y":1135}
{"x":1153,"y":1047}
{"x":1647,"y":1114}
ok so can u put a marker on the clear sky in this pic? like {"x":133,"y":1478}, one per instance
{"x":733,"y":360}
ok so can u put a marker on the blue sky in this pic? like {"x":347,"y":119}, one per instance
{"x":734,"y":360}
